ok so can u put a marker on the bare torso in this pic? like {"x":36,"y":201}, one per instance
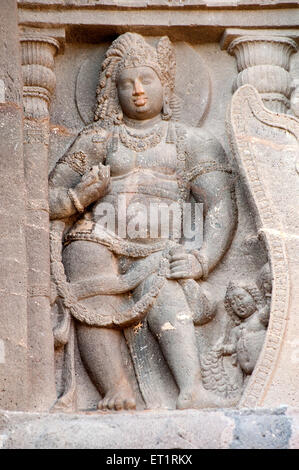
{"x":250,"y":339}
{"x":139,"y":182}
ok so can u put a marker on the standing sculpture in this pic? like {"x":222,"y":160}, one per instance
{"x":134,"y":156}
{"x":250,"y":316}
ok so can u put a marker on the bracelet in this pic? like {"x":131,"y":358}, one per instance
{"x":73,"y":197}
{"x":202,"y":259}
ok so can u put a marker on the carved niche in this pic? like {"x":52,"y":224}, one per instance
{"x":145,"y":318}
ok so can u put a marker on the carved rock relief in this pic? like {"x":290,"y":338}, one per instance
{"x":258,"y":139}
{"x":230,"y":316}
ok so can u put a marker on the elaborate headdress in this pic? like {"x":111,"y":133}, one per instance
{"x":251,"y":289}
{"x":131,"y":50}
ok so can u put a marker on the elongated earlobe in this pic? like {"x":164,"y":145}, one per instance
{"x":166,"y":110}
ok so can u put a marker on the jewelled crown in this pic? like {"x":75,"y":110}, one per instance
{"x":142,"y":54}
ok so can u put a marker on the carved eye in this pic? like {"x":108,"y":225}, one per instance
{"x":125,"y":85}
{"x":146,"y":79}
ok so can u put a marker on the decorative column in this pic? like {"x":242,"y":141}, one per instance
{"x":263,"y":61}
{"x":39,"y":79}
{"x":38,"y":53}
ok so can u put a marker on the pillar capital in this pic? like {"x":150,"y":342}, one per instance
{"x":263,"y":60}
{"x":230,"y":34}
{"x":38,"y":49}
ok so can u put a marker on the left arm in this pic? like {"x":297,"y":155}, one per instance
{"x":211,"y":184}
{"x":214,"y":188}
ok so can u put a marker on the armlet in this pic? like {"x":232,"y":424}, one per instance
{"x":206,"y":167}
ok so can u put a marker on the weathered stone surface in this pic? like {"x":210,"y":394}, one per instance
{"x":208,"y":21}
{"x":264,"y":61}
{"x":258,"y":149}
{"x":294,"y":441}
{"x":146,"y":121}
{"x":212,"y":323}
{"x":260,"y":429}
{"x":13,"y":276}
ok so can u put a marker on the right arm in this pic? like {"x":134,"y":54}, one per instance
{"x":228,"y":348}
{"x":79,"y":178}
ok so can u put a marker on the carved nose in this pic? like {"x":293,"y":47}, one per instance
{"x":138,"y":89}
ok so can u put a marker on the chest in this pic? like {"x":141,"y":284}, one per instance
{"x":252,"y":325}
{"x":162,"y":158}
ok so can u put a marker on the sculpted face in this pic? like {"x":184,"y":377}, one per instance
{"x":140,"y":93}
{"x":242,"y":303}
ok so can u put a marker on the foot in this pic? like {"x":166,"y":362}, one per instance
{"x":119,"y":398}
{"x":198,"y":397}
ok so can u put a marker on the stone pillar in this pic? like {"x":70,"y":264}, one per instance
{"x":295,"y":89}
{"x":263,"y":61}
{"x":38,"y":53}
{"x":13,"y":272}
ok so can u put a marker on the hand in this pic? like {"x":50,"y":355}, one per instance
{"x":219,"y":348}
{"x":93,"y":184}
{"x":184,"y":265}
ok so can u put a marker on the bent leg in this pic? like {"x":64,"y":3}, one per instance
{"x":100,"y":347}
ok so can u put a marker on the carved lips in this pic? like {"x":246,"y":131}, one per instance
{"x":140,"y":101}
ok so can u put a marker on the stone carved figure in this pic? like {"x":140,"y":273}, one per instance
{"x":249,"y":312}
{"x":136,"y":149}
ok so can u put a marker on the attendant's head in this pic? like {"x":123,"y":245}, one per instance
{"x":241,"y":301}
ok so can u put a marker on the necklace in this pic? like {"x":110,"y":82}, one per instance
{"x":140,"y":142}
